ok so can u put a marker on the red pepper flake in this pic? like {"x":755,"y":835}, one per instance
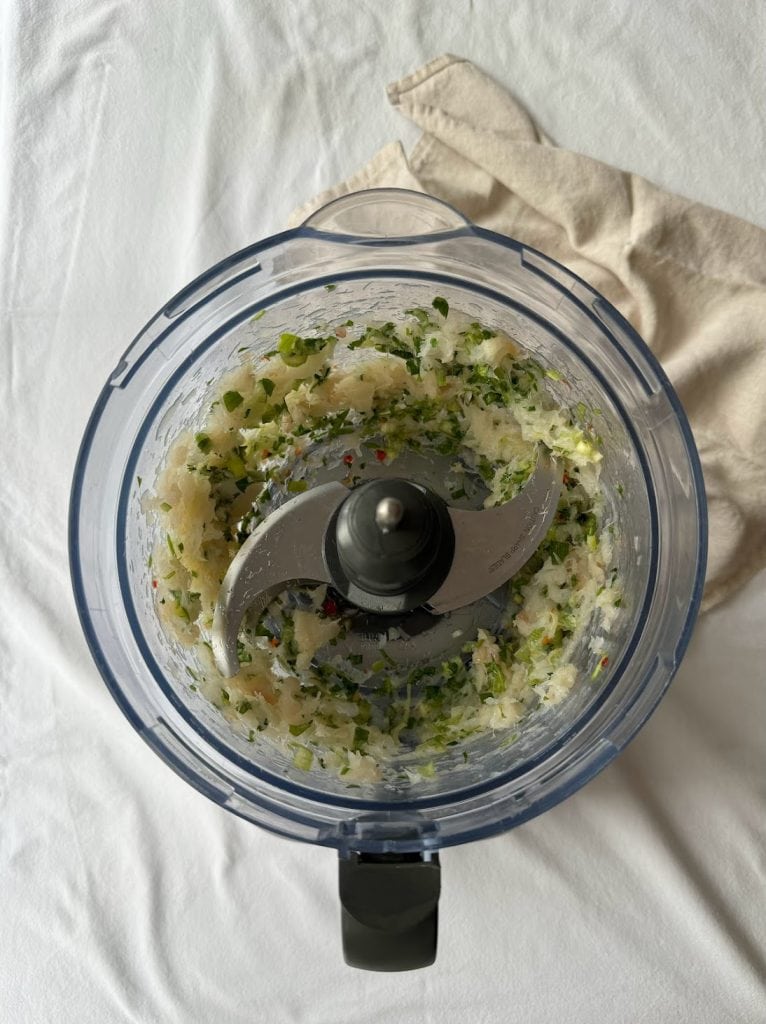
{"x":381,"y":455}
{"x":348,"y":459}
{"x":566,"y":478}
{"x":604,"y":662}
{"x":154,"y":584}
{"x":274,"y":642}
{"x":330,"y":607}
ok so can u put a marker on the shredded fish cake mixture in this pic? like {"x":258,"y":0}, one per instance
{"x":347,"y":399}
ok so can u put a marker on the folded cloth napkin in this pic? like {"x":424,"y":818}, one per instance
{"x":691,"y":279}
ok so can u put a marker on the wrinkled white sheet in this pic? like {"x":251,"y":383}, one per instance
{"x":139,"y":143}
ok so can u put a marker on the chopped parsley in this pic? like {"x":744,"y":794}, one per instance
{"x":232,"y":399}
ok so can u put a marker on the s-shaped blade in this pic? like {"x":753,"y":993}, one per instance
{"x":290,"y":547}
{"x":287,"y":548}
{"x":492,"y":544}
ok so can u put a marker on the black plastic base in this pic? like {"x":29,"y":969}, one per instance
{"x":389,"y":910}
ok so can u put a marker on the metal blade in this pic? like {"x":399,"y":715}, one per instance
{"x":492,"y":544}
{"x":286,"y":549}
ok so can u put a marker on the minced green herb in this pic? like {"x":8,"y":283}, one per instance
{"x":231,"y":399}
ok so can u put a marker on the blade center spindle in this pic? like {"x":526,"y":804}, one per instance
{"x":388,"y":514}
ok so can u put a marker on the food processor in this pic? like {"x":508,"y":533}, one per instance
{"x":367,"y":254}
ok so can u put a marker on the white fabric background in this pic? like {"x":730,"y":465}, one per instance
{"x":139,"y":143}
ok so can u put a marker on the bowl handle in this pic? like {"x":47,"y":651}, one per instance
{"x":389,"y":909}
{"x":386,"y":213}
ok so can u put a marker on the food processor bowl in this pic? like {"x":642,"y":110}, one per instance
{"x":366,"y":256}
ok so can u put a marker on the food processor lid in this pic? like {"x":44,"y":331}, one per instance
{"x":387,"y":546}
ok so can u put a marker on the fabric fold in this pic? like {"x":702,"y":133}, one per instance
{"x":690,"y":279}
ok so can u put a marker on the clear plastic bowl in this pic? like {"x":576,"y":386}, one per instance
{"x":385,"y":250}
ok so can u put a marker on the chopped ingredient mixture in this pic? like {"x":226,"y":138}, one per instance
{"x":346,"y":399}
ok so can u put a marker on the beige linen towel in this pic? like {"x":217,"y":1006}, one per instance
{"x":691,"y":279}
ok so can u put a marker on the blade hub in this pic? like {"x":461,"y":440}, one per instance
{"x":390,"y":546}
